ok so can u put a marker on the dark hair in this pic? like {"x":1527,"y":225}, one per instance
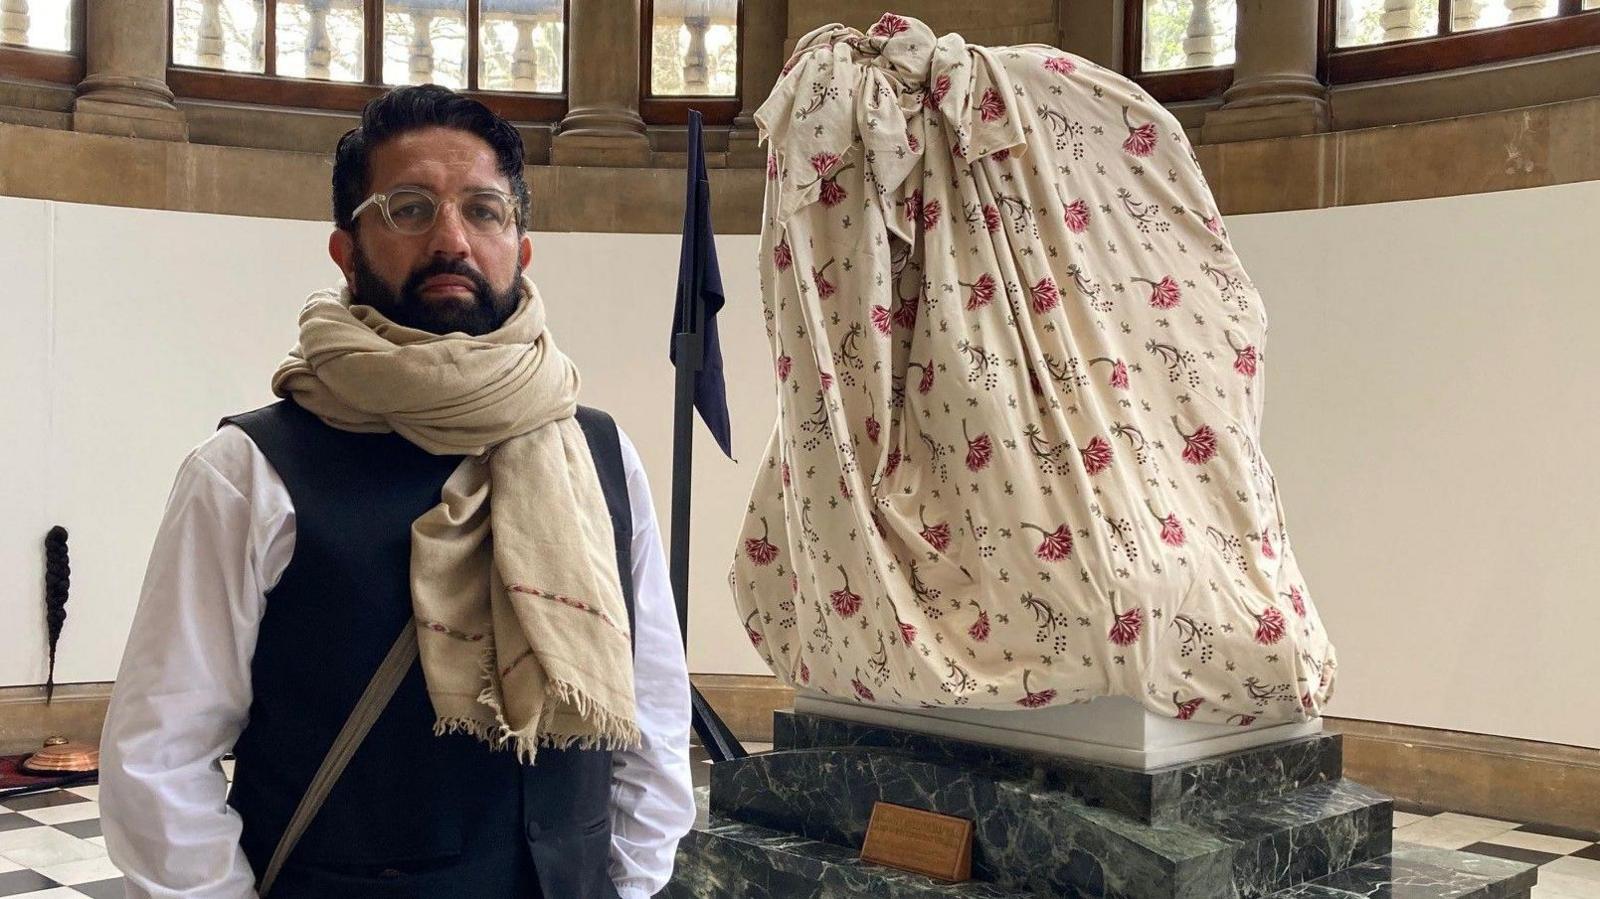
{"x":411,"y":108}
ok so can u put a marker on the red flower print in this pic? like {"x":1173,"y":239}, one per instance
{"x":982,"y":292}
{"x":832,"y":194}
{"x":930,"y":214}
{"x":1061,"y":65}
{"x":825,"y":288}
{"x":1001,"y":155}
{"x":926,"y":384}
{"x":913,"y":205}
{"x":873,"y":428}
{"x":1244,"y":361}
{"x":1305,"y":700}
{"x":760,"y":550}
{"x":785,"y":365}
{"x":1045,"y":295}
{"x":1126,"y":626}
{"x":1172,"y":531}
{"x":794,"y":584}
{"x":908,"y":633}
{"x":1266,"y":546}
{"x":1119,"y":375}
{"x":979,"y":450}
{"x":1097,"y":455}
{"x":805,"y":673}
{"x":979,"y":631}
{"x":1164,"y":294}
{"x":772,"y":166}
{"x":1270,"y":626}
{"x":892,"y":463}
{"x":1244,"y":357}
{"x":889,"y":26}
{"x":991,"y":218}
{"x":1077,"y":216}
{"x":935,"y":95}
{"x":1032,"y":700}
{"x":1298,"y":599}
{"x":1213,"y":224}
{"x":1055,"y":546}
{"x":781,"y":256}
{"x":845,"y":602}
{"x":912,"y":143}
{"x":905,"y":314}
{"x":755,"y":636}
{"x":844,"y":488}
{"x":826,"y":378}
{"x":937,"y":535}
{"x":1243,"y":720}
{"x":1141,"y":139}
{"x":993,"y":106}
{"x":785,"y":474}
{"x":861,"y":690}
{"x":880,"y":320}
{"x":1199,"y":447}
{"x":1186,"y":709}
{"x":823,"y":162}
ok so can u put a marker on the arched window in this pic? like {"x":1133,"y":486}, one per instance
{"x":1369,"y":39}
{"x":1181,"y":49}
{"x":337,"y":54}
{"x":42,"y":39}
{"x":690,"y":59}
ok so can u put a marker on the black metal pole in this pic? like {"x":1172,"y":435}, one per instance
{"x":719,"y":741}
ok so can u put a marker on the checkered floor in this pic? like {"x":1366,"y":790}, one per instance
{"x":51,"y":847}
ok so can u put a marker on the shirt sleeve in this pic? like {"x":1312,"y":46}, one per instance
{"x":183,"y":692}
{"x":652,"y":799}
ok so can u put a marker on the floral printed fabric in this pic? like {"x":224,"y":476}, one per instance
{"x":1019,"y":371}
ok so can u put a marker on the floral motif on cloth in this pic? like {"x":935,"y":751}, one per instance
{"x":1017,"y":460}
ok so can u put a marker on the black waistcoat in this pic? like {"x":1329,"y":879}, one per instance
{"x":413,"y":815}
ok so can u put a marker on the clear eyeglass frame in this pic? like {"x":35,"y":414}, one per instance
{"x":387,"y":204}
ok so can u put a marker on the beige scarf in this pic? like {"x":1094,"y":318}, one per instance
{"x":521,"y":624}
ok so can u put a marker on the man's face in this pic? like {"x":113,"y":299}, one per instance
{"x":449,"y":278}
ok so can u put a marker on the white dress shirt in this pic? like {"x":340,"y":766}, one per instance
{"x":182,"y":695}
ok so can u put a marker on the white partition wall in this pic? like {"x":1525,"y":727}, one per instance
{"x":1430,"y":415}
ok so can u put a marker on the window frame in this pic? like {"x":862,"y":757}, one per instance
{"x":674,"y":110}
{"x":1171,"y":86}
{"x":1571,"y":28}
{"x":271,"y":89}
{"x":55,"y":66}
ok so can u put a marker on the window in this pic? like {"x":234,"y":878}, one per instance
{"x":690,"y":59}
{"x":337,"y":54}
{"x":42,"y":39}
{"x":1368,"y":39}
{"x":1181,"y":49}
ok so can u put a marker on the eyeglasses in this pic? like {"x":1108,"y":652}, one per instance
{"x":412,"y":210}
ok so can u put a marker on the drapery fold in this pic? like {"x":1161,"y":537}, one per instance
{"x":1019,"y":371}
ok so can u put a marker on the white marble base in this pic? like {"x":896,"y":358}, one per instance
{"x":1112,"y":730}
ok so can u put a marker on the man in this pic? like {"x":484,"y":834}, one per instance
{"x":428,"y":485}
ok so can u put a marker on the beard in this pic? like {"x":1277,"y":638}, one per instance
{"x":485,"y":311}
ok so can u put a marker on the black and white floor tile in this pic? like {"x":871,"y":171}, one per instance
{"x":51,"y":846}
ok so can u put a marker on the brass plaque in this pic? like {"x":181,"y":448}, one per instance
{"x":911,"y":839}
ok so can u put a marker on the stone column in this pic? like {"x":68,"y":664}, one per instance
{"x":602,"y":126}
{"x":766,"y":27}
{"x":14,"y":22}
{"x":696,"y":77}
{"x":525,"y":59}
{"x":1200,"y":37}
{"x":319,"y":52}
{"x":1275,"y":90}
{"x":125,"y":89}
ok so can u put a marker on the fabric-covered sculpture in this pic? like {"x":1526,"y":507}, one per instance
{"x":1019,"y":369}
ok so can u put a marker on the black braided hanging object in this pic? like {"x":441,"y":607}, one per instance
{"x":57,"y":580}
